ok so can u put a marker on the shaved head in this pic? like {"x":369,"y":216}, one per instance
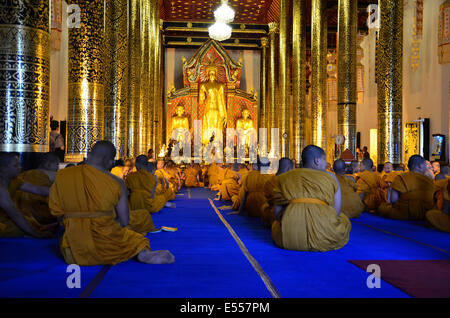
{"x":339,"y":167}
{"x":285,"y":165}
{"x":367,"y":164}
{"x":6,"y":158}
{"x":141,"y":162}
{"x":151,"y":167}
{"x":417,"y":163}
{"x":102,"y":154}
{"x":9,"y":165}
{"x":49,"y":161}
{"x":314,"y":157}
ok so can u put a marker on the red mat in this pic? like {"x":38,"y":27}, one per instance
{"x":421,"y":279}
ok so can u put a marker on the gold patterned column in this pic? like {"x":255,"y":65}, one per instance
{"x":263,"y":118}
{"x":389,"y":81}
{"x":24,"y":75}
{"x":134,"y":58}
{"x":299,"y":75}
{"x":347,"y":94}
{"x":319,"y":72}
{"x":273,"y":78}
{"x":146,"y":87}
{"x":116,"y":74}
{"x":86,"y":81}
{"x":284,"y":85}
{"x":157,"y":104}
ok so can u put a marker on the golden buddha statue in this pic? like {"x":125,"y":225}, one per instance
{"x":212,"y":97}
{"x":244,"y":127}
{"x":180,"y":124}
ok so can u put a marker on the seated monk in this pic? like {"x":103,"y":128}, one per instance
{"x":32,"y":205}
{"x":387,"y":177}
{"x":213,"y":175}
{"x":429,"y":171}
{"x":436,"y":167}
{"x":410,"y":196}
{"x":243,"y":171}
{"x":267,"y":209}
{"x":94,"y":207}
{"x":229,"y":186}
{"x":193,"y":173}
{"x":12,"y":222}
{"x":164,"y":186}
{"x":308,"y":207}
{"x":162,"y":173}
{"x":251,"y":193}
{"x":220,"y":176}
{"x":352,"y":205}
{"x":122,"y":171}
{"x":172,"y":175}
{"x":439,"y":216}
{"x":369,"y":186}
{"x":142,"y":185}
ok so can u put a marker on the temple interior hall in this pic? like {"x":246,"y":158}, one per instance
{"x":224,"y":149}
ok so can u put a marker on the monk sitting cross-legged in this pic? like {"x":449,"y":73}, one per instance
{"x":94,"y":207}
{"x":352,"y":205}
{"x":12,"y":222}
{"x":164,"y":186}
{"x":369,"y":186}
{"x":142,"y":185}
{"x":31,"y":204}
{"x":439,"y":216}
{"x":411,"y":194}
{"x":229,"y":186}
{"x":193,"y":174}
{"x":308,"y":207}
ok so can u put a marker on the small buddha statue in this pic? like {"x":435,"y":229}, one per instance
{"x":180,"y":123}
{"x":244,"y":127}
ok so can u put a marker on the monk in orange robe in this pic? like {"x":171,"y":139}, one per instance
{"x":32,"y":205}
{"x":369,"y":186}
{"x":229,"y":186}
{"x":213,"y":175}
{"x":193,"y":173}
{"x":251,"y":193}
{"x":172,"y":175}
{"x":13,"y":223}
{"x":308,"y":207}
{"x":410,"y":196}
{"x":123,"y":171}
{"x":439,"y":216}
{"x":94,"y":206}
{"x":242,"y":172}
{"x":164,"y":186}
{"x":387,"y":176}
{"x":267,"y":208}
{"x":352,"y":205}
{"x":142,"y":185}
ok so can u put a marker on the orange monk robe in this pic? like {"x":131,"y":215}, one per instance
{"x":229,"y":188}
{"x":437,"y":217}
{"x":253,"y":184}
{"x":416,"y":193}
{"x":213,"y":174}
{"x":352,"y":205}
{"x":191,"y":177}
{"x":31,"y":205}
{"x":86,"y":197}
{"x":370,"y":184}
{"x":164,"y":187}
{"x":7,"y":226}
{"x":243,"y":172}
{"x":309,"y":226}
{"x":141,"y":184}
{"x":267,"y":209}
{"x":386,"y":181}
{"x":173,"y":184}
{"x":171,"y":175}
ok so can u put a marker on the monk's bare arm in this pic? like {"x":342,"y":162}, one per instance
{"x":34,"y":189}
{"x":392,"y":196}
{"x":9,"y":207}
{"x":154,"y":187}
{"x":122,"y":209}
{"x":337,"y":196}
{"x":278,"y":211}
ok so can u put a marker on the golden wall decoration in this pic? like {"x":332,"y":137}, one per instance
{"x":347,"y":94}
{"x":116,"y":74}
{"x":263,"y":122}
{"x":389,"y":81}
{"x":24,"y":76}
{"x":156,"y":107}
{"x":86,"y":79}
{"x":284,"y":81}
{"x":272,"y":114}
{"x":299,"y":76}
{"x":319,"y":72}
{"x":412,"y":140}
{"x":134,"y":68}
{"x":146,"y":87}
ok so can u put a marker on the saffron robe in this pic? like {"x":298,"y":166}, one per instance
{"x":191,"y":177}
{"x":370,"y":184}
{"x":141,"y":184}
{"x":437,"y":217}
{"x":352,"y":205}
{"x":86,"y":197}
{"x":309,"y":226}
{"x":253,"y":183}
{"x":229,"y":187}
{"x":164,"y":187}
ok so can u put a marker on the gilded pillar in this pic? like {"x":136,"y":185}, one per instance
{"x":347,"y":94}
{"x":272,"y":107}
{"x":86,"y":81}
{"x":24,"y":76}
{"x":134,"y":57}
{"x":146,"y":86}
{"x":299,"y":76}
{"x":284,"y":85}
{"x":319,"y":72}
{"x":116,"y":74}
{"x":157,"y":72}
{"x":263,"y":119}
{"x":389,"y":81}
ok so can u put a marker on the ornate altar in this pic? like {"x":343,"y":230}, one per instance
{"x":195,"y":73}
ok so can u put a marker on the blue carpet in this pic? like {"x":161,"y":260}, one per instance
{"x":209,"y":263}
